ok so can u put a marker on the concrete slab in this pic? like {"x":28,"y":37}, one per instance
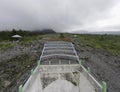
{"x":61,"y":78}
{"x":61,"y":86}
{"x":34,"y":86}
{"x":85,"y":85}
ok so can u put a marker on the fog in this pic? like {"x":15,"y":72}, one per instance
{"x":60,"y":15}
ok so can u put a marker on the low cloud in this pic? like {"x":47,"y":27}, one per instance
{"x":65,"y":15}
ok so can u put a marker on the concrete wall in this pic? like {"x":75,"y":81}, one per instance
{"x":34,"y":83}
{"x":72,"y":68}
{"x":59,"y":68}
{"x":91,"y":79}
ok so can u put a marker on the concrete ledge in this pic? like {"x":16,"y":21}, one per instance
{"x":33,"y":84}
{"x":59,"y":68}
{"x":92,"y":80}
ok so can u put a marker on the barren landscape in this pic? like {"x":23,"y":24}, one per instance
{"x":17,"y":61}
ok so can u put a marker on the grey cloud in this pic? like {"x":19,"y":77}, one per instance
{"x":60,"y":15}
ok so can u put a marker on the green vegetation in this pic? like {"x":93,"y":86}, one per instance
{"x":26,"y":39}
{"x":6,"y":45}
{"x":108,"y":42}
{"x":27,"y":36}
{"x":61,"y":35}
{"x":7,"y":35}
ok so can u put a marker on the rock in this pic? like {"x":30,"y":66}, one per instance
{"x":6,"y":83}
{"x":28,"y":66}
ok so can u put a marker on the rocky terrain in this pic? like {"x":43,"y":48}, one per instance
{"x":104,"y":66}
{"x":16,"y":63}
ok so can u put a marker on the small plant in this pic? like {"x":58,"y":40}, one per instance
{"x":109,"y":42}
{"x":4,"y":46}
{"x":61,"y":35}
{"x":74,"y":83}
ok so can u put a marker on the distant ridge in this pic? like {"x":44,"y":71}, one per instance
{"x":99,"y":32}
{"x":107,"y":32}
{"x":45,"y":31}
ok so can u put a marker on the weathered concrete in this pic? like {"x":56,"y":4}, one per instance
{"x":65,"y":78}
{"x":91,"y":79}
{"x":61,"y":78}
{"x":59,"y":68}
{"x":34,"y":83}
{"x":85,"y":85}
{"x":61,"y":86}
{"x":58,"y":50}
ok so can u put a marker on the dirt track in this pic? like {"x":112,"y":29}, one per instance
{"x":104,"y":66}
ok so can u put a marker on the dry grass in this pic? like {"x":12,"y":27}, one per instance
{"x":57,"y":38}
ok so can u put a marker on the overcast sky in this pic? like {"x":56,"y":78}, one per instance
{"x":60,"y":15}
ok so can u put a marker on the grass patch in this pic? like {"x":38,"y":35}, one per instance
{"x":108,"y":42}
{"x":4,"y":46}
{"x":24,"y":40}
{"x":57,"y":37}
